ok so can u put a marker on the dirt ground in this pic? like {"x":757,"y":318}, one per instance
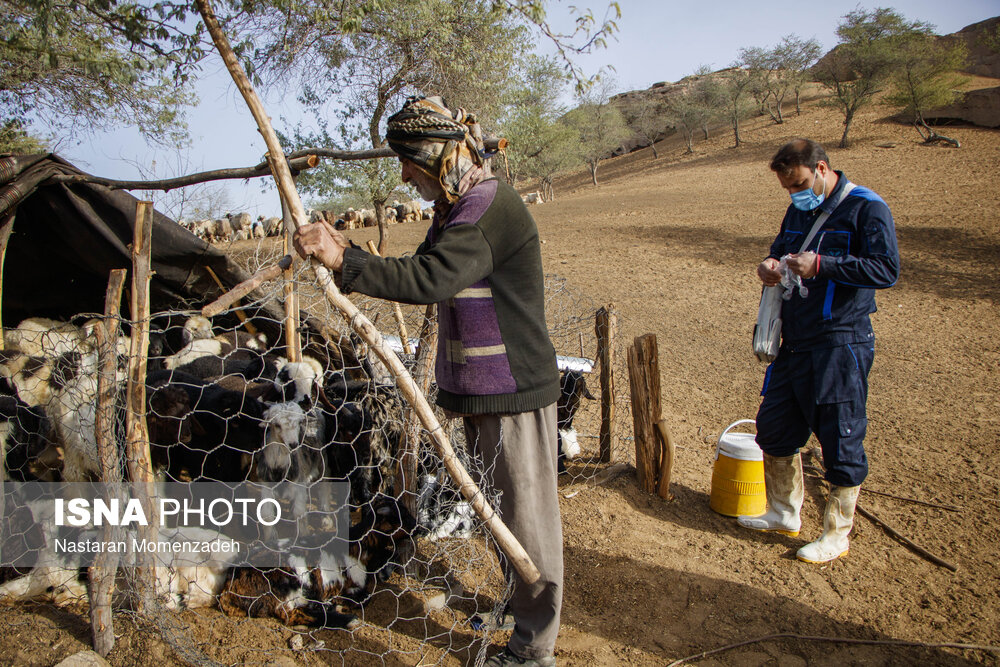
{"x":673,"y":243}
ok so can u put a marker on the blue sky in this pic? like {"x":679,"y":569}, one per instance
{"x":658,"y":40}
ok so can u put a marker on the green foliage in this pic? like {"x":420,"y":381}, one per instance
{"x":356,"y":66}
{"x":926,"y":75}
{"x":337,"y":185}
{"x":96,"y":63}
{"x":587,"y":33}
{"x":599,"y":126}
{"x":539,"y":145}
{"x":868,"y":54}
{"x":991,"y":40}
{"x":14,"y":139}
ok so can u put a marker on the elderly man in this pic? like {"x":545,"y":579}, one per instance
{"x":496,"y":367}
{"x":819,"y":381}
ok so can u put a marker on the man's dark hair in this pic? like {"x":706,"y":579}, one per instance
{"x":796,"y":153}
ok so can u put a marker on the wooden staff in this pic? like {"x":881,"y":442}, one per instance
{"x":605,"y":328}
{"x":247,"y":286}
{"x":101,"y":582}
{"x":137,"y":456}
{"x":506,"y":541}
{"x":404,"y":336}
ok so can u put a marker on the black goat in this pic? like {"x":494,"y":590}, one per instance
{"x":573,"y":388}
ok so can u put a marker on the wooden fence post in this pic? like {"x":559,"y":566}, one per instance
{"x":101,"y":582}
{"x":604,"y":328}
{"x":293,"y":343}
{"x":404,"y":336}
{"x":644,"y":381}
{"x":137,"y":456}
{"x":426,"y":352}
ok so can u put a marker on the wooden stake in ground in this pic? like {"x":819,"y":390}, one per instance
{"x":101,"y":580}
{"x":605,"y":328}
{"x":404,"y":336}
{"x":293,"y":344}
{"x":506,"y":541}
{"x":644,"y":381}
{"x":422,"y":374}
{"x":137,"y":456}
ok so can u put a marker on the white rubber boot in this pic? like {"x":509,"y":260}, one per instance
{"x":783,"y":487}
{"x":837,"y":522}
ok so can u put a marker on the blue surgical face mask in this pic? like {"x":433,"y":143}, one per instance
{"x":807,"y":200}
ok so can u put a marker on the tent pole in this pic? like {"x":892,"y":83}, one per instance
{"x":293,"y":344}
{"x":5,"y":227}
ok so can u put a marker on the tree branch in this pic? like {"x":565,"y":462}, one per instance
{"x":835,"y":640}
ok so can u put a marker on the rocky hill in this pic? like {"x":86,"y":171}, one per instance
{"x":980,"y":106}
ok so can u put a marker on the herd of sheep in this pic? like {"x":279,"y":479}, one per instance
{"x":241,"y":226}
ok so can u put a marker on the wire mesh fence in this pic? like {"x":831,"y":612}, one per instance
{"x":417,"y":579}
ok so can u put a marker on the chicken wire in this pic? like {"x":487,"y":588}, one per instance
{"x":441,"y":591}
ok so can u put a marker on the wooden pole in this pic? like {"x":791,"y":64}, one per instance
{"x":293,"y":344}
{"x":506,"y":541}
{"x":250,"y":284}
{"x":410,"y":447}
{"x":5,"y":228}
{"x":239,"y":311}
{"x":137,"y":456}
{"x":644,"y":381}
{"x":101,"y":582}
{"x":397,"y":312}
{"x":605,"y":329}
{"x":666,"y":460}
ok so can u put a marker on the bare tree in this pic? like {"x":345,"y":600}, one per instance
{"x":795,"y":56}
{"x":736,"y":82}
{"x":645,"y":116}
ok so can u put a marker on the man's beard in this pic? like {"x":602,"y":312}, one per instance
{"x":428,"y":191}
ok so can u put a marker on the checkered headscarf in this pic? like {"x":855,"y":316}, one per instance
{"x":444,"y":144}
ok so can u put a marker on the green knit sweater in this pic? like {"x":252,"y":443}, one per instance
{"x":482,"y":265}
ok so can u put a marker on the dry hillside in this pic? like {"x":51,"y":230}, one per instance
{"x":674,"y":243}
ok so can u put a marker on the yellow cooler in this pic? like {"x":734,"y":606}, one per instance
{"x":738,"y":475}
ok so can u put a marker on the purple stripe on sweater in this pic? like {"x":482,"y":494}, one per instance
{"x":471,"y":322}
{"x":470,"y":208}
{"x":479,"y":376}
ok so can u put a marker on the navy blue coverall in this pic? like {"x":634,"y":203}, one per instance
{"x":819,"y":381}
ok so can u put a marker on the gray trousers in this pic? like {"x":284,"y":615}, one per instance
{"x":518,"y":458}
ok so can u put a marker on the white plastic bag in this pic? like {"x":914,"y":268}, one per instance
{"x":767,"y":331}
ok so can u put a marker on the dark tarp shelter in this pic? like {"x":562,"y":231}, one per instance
{"x":68,"y":236}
